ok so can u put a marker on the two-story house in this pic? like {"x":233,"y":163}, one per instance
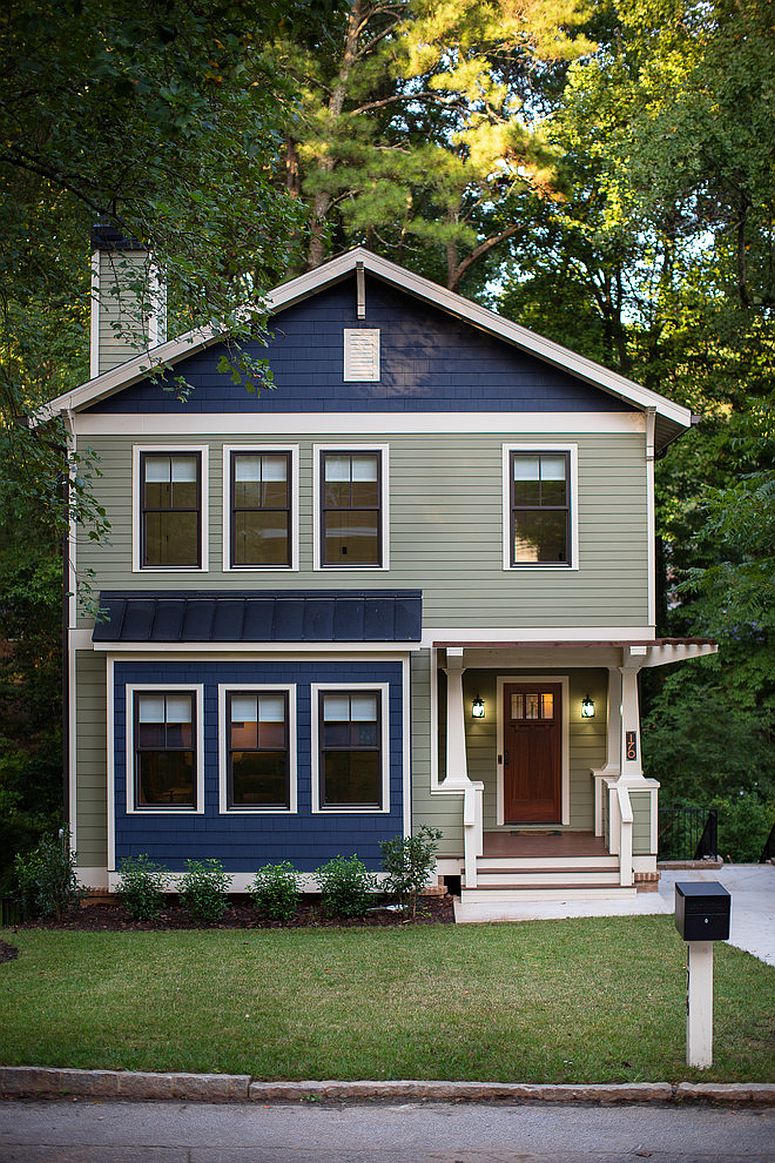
{"x":414,"y":583}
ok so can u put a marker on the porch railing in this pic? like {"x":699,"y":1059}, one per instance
{"x":473,"y":830}
{"x":688,"y":833}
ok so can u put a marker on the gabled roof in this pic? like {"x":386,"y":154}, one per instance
{"x":671,"y":418}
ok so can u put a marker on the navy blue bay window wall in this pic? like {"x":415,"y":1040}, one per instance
{"x":243,"y":841}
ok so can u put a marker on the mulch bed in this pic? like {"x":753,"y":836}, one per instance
{"x":97,"y":918}
{"x":8,"y":952}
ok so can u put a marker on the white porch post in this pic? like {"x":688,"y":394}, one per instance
{"x":457,"y":766}
{"x":613,"y":751}
{"x":631,"y":765}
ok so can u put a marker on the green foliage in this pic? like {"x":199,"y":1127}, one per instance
{"x":744,"y":824}
{"x":141,"y":891}
{"x":409,"y":862}
{"x":204,"y":888}
{"x":275,"y":891}
{"x":45,"y":877}
{"x":346,"y":886}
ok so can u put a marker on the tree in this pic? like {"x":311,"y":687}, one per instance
{"x":417,"y":131}
{"x":165,"y":120}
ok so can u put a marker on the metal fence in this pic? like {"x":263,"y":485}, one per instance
{"x":687,"y":833}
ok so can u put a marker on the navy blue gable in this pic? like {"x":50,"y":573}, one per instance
{"x":430,"y":362}
{"x":267,"y":616}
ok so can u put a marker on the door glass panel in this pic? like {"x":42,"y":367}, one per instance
{"x":532,"y":706}
{"x":547,"y":706}
{"x":517,"y":706}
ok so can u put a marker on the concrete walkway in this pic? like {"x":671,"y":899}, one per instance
{"x":753,"y":905}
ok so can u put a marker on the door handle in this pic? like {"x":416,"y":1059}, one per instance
{"x":506,"y":758}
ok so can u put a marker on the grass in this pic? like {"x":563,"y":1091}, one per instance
{"x":597,"y":999}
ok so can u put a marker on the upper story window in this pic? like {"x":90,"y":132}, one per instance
{"x":540,"y":521}
{"x":351,"y":508}
{"x":171,"y":508}
{"x":164,"y":750}
{"x":260,"y":506}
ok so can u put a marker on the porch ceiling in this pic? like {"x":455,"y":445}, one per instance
{"x":635,"y":653}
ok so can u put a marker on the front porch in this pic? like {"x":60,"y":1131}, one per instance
{"x":555,"y":802}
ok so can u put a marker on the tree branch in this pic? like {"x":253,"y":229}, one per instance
{"x":479,"y":251}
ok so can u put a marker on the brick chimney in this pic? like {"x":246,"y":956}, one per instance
{"x":128,"y":299}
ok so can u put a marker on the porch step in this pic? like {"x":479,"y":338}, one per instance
{"x":552,"y":863}
{"x":568,"y":878}
{"x":492,"y":893}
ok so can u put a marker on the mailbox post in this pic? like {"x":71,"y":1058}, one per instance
{"x":702,"y":914}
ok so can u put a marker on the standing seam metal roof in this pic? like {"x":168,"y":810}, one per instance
{"x":264,"y":616}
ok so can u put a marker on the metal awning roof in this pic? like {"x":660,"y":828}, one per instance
{"x":265,"y":616}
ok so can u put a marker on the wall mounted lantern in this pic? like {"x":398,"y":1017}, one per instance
{"x":587,"y":708}
{"x":477,"y":708}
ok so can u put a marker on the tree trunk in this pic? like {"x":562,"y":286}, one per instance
{"x":321,"y":203}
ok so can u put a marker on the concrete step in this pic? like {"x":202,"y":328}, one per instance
{"x":513,"y":863}
{"x":545,"y":892}
{"x":569,"y":877}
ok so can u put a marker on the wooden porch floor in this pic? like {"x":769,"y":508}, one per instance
{"x":548,"y":843}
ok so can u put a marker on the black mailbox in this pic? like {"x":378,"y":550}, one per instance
{"x":702,"y":910}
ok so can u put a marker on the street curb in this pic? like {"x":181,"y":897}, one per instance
{"x":52,"y":1082}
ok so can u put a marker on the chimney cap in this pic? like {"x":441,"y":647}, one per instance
{"x":105,"y":236}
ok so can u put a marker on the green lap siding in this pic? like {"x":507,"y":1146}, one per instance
{"x":91,"y":802}
{"x":446,"y":530}
{"x":641,"y":823}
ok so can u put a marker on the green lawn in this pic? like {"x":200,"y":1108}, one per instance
{"x":567,"y":1001}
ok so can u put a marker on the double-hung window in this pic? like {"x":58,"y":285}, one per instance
{"x":539,"y":507}
{"x":171,"y":509}
{"x":258,"y":749}
{"x":351,"y":515}
{"x":350,"y":744}
{"x":260,"y":508}
{"x":165,"y":760}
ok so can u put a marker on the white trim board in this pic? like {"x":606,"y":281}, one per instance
{"x":516,"y":636}
{"x":257,"y":650}
{"x":262,"y":424}
{"x":331,"y":272}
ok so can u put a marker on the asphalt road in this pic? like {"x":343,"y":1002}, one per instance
{"x":111,"y":1132}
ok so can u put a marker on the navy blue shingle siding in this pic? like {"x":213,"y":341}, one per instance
{"x":430,"y":361}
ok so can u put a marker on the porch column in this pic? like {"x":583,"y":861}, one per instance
{"x":457,"y":767}
{"x":631,"y":765}
{"x":613,"y":749}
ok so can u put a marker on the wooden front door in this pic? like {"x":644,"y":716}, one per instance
{"x":532,"y":753}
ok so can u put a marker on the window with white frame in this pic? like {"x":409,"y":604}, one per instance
{"x":540,"y":523}
{"x":351,"y":508}
{"x":350,"y":744}
{"x":165,"y":756}
{"x":170,"y":508}
{"x":258,"y":749}
{"x":260,"y":508}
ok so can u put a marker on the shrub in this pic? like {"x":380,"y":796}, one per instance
{"x":409,"y":862}
{"x":46,"y":878}
{"x":346,"y":886}
{"x":142,"y":887}
{"x":744,"y":824}
{"x":204,"y":888}
{"x":275,"y":891}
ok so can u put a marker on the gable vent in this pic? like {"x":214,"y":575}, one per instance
{"x":361,"y":354}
